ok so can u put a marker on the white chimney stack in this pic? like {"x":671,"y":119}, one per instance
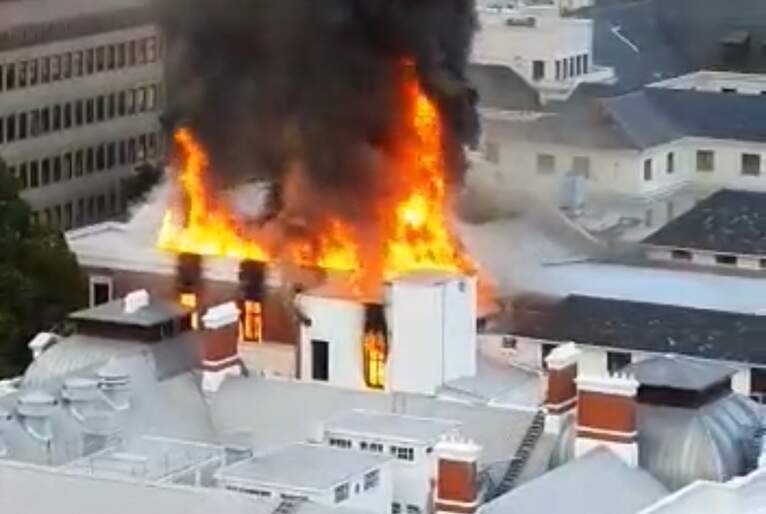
{"x":136,"y":300}
{"x":40,"y":343}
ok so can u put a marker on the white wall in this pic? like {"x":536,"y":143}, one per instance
{"x":341,"y":323}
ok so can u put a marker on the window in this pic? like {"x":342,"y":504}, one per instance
{"x":729,"y":90}
{"x":66,"y":66}
{"x":56,"y":121}
{"x":670,"y":165}
{"x":45,"y":120}
{"x":615,"y":361}
{"x":77,"y":64}
{"x":100,"y":158}
{"x":2,"y":77}
{"x":586,"y":64}
{"x":22,"y":125}
{"x":581,"y":166}
{"x":78,"y":113}
{"x":10,"y":128}
{"x":67,"y":116}
{"x":558,"y":70}
{"x":726,"y":260}
{"x":110,"y":57}
{"x":538,"y":70}
{"x":341,"y":492}
{"x":68,"y":219}
{"x":396,"y":508}
{"x":681,"y":255}
{"x":339,"y":442}
{"x":67,"y":165}
{"x":90,"y":58}
{"x":34,"y":174}
{"x":79,"y":164}
{"x":509,"y":343}
{"x":100,"y":58}
{"x":371,"y":480}
{"x":131,"y":53}
{"x":320,"y":360}
{"x":403,"y":453}
{"x":251,"y":329}
{"x":120,"y":57}
{"x":151,"y":49}
{"x":758,"y":384}
{"x":90,"y":161}
{"x":2,"y":130}
{"x":413,"y":509}
{"x":89,"y":110}
{"x":100,"y":289}
{"x":546,"y":164}
{"x":45,"y":171}
{"x":10,"y":77}
{"x":111,"y":155}
{"x":647,"y":169}
{"x":571,"y":66}
{"x":100,"y":108}
{"x":23,"y":176}
{"x":751,"y":164}
{"x":32,"y":67}
{"x":21,"y":74}
{"x":55,"y":62}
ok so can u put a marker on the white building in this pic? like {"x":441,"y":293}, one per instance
{"x":410,"y":440}
{"x":651,"y":153}
{"x":550,"y":51}
{"x":81,"y":86}
{"x":316,"y":473}
{"x":717,"y":82}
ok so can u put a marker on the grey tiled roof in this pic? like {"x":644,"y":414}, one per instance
{"x":732,"y":222}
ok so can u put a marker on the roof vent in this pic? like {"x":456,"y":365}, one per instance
{"x":114,"y":382}
{"x":136,"y":300}
{"x":35,"y":409}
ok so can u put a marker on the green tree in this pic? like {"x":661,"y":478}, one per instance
{"x":40,"y":280}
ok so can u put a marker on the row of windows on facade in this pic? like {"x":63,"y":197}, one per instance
{"x":84,"y":161}
{"x":52,"y":68}
{"x":722,"y":259}
{"x":750,"y":164}
{"x":400,"y":452}
{"x":341,"y":492}
{"x":574,"y":66}
{"x":85,"y":210}
{"x":41,"y":121}
{"x":705,"y":162}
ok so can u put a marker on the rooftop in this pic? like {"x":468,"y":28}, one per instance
{"x":678,"y":372}
{"x":155,"y":313}
{"x":394,"y":426}
{"x":729,"y":221}
{"x":655,"y":328}
{"x":303,"y":466}
{"x":621,"y":489}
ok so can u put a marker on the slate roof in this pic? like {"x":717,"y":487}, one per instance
{"x":657,"y":115}
{"x":652,"y":327}
{"x":729,"y":221}
{"x":673,"y":37}
{"x":501,"y":88}
{"x":676,"y":372}
{"x":156,"y":312}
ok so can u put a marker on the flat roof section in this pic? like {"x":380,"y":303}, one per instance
{"x":391,"y":426}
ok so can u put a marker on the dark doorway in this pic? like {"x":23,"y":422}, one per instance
{"x":101,"y":293}
{"x":319,"y":360}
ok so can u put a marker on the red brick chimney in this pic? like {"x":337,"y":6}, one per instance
{"x":561,"y":392}
{"x":456,"y":476}
{"x":220,"y":336}
{"x":606,"y":410}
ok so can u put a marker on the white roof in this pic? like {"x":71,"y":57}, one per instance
{"x":304,"y":467}
{"x":43,"y":490}
{"x":388,"y":426}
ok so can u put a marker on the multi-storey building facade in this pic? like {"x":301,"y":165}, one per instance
{"x":80,"y":92}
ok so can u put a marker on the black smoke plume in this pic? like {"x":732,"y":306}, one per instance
{"x":268,"y":83}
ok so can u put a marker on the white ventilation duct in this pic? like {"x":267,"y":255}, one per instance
{"x":136,"y":300}
{"x":114,"y":383}
{"x":80,"y":393}
{"x":35,"y":409}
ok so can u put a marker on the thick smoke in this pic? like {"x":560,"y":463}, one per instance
{"x":271,"y":86}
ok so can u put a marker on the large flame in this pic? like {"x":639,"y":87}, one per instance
{"x":415,"y":230}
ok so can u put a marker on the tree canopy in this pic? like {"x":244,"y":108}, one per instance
{"x":40,"y":280}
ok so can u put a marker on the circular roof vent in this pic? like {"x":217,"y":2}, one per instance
{"x":112,"y":375}
{"x":36,"y":404}
{"x":80,"y":389}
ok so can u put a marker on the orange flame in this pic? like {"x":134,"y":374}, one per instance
{"x":420,"y":237}
{"x":415,"y":230}
{"x":208,"y":228}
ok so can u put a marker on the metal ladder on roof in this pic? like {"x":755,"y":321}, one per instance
{"x":521,"y":457}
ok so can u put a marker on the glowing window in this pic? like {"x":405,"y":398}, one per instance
{"x":190,"y":300}
{"x":250,"y":325}
{"x":375,"y":359}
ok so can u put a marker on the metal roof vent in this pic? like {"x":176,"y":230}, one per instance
{"x":114,"y":382}
{"x":136,"y":300}
{"x":80,"y":393}
{"x":35,"y":409}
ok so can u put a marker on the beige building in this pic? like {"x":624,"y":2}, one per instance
{"x":81,"y":87}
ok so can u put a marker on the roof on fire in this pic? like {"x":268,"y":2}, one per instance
{"x":729,"y":221}
{"x":650,"y":327}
